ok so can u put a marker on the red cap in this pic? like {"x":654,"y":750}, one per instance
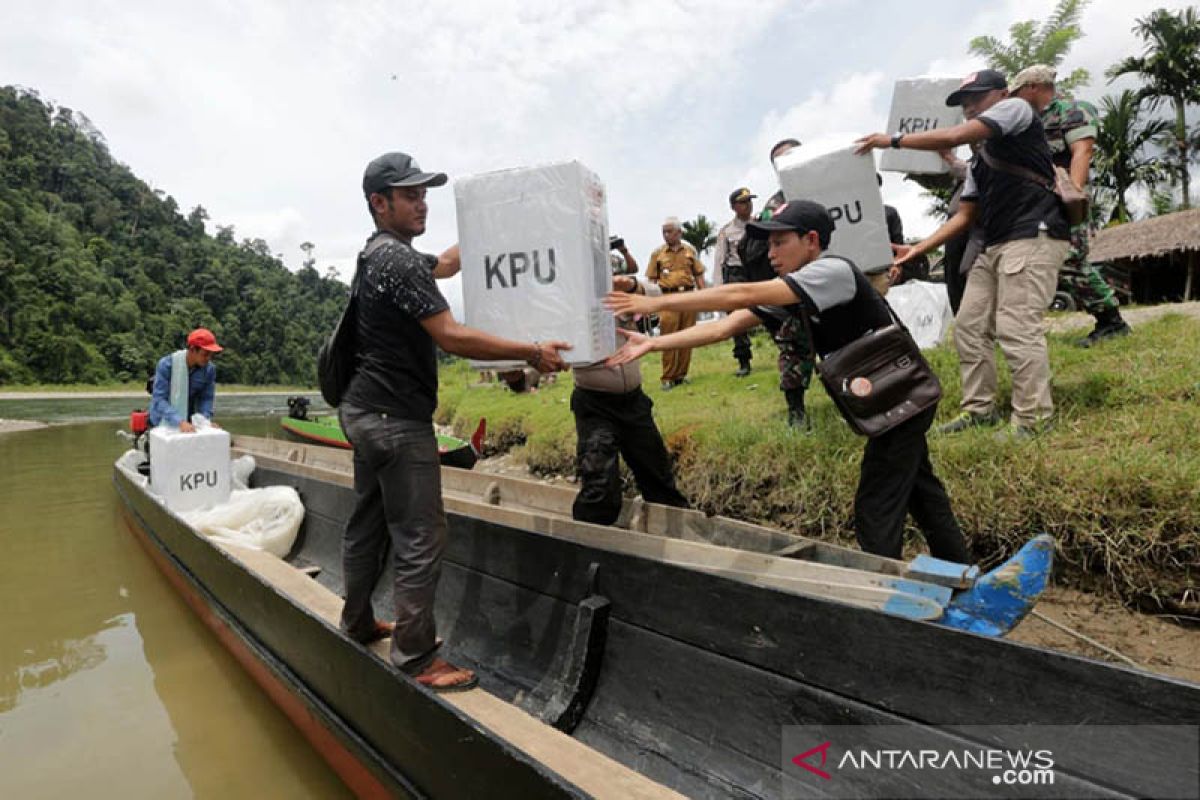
{"x":204,"y":339}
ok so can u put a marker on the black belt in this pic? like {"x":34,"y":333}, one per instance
{"x":678,"y":289}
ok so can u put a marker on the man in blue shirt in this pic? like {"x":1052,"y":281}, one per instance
{"x":179,"y":395}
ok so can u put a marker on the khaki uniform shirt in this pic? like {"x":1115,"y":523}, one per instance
{"x":728,"y":237}
{"x":674,"y":269}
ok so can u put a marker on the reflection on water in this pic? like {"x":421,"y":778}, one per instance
{"x":55,"y":660}
{"x":109,"y":684}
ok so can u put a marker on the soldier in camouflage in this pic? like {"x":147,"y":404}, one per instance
{"x":1071,"y":130}
{"x":795,"y":352}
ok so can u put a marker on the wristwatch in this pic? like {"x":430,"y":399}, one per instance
{"x":896,"y":137}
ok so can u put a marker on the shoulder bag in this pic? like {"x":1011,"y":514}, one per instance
{"x":880,"y":379}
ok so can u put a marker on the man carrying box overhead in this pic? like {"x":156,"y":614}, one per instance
{"x":1025,"y":235}
{"x":185,"y":383}
{"x":387,"y":414}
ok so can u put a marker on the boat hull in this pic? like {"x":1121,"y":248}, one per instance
{"x":680,"y":641}
{"x":381,"y":733}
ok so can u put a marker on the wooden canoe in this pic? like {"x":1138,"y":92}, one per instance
{"x":610,"y":674}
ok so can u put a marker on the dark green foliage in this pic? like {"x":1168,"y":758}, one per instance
{"x":100,"y":275}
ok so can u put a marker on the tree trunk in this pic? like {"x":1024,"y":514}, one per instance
{"x":1182,"y":143}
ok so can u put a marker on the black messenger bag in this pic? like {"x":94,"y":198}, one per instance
{"x":879,"y":380}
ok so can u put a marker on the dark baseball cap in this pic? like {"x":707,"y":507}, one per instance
{"x":741,"y":195}
{"x":397,"y":169}
{"x":985,"y":80}
{"x":801,"y":216}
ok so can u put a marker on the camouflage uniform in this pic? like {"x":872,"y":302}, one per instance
{"x":796,"y":363}
{"x":1066,"y":122}
{"x":795,"y":355}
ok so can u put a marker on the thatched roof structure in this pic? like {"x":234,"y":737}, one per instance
{"x":1149,"y":238}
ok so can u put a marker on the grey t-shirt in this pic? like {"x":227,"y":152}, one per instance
{"x":840,"y":301}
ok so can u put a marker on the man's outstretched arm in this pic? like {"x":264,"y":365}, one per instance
{"x":461,"y":340}
{"x":730,"y":297}
{"x":695,"y":336}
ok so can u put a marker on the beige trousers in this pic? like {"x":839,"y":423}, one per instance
{"x":675,"y":363}
{"x":1005,"y":303}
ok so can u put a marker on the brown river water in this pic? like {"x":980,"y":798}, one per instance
{"x":109,"y":686}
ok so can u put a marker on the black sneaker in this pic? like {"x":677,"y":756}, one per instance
{"x":1106,"y":330}
{"x":967,"y":420}
{"x":743,"y":369}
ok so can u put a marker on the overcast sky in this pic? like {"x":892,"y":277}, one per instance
{"x":265,"y":113}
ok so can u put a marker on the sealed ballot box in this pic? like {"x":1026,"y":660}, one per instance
{"x":189,"y":470}
{"x":919,"y":105}
{"x":535,"y":266}
{"x":845,"y":184}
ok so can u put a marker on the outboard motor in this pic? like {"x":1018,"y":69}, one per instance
{"x":298,"y":407}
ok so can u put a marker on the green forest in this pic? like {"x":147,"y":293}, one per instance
{"x":100,"y":275}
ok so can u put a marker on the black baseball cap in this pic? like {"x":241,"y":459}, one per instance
{"x":741,"y":195}
{"x":985,"y":80}
{"x":800,"y":216}
{"x":397,"y":169}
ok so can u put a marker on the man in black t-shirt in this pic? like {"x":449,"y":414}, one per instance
{"x":896,"y":477}
{"x":1025,"y":236}
{"x":387,"y":414}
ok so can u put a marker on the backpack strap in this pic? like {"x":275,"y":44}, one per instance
{"x":1016,"y":169}
{"x":381,"y":238}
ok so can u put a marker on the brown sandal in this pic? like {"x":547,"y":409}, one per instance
{"x":442,"y":676}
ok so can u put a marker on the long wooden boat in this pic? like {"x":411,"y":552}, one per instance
{"x":327,"y":430}
{"x":924,"y":588}
{"x":610,"y":674}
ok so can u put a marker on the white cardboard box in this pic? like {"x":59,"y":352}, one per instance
{"x":918,"y":105}
{"x":845,"y":184}
{"x":189,"y":470}
{"x":535,"y":266}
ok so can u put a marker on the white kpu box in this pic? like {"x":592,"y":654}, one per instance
{"x":189,"y":470}
{"x":918,"y":105}
{"x":845,"y":184}
{"x":534,"y":247}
